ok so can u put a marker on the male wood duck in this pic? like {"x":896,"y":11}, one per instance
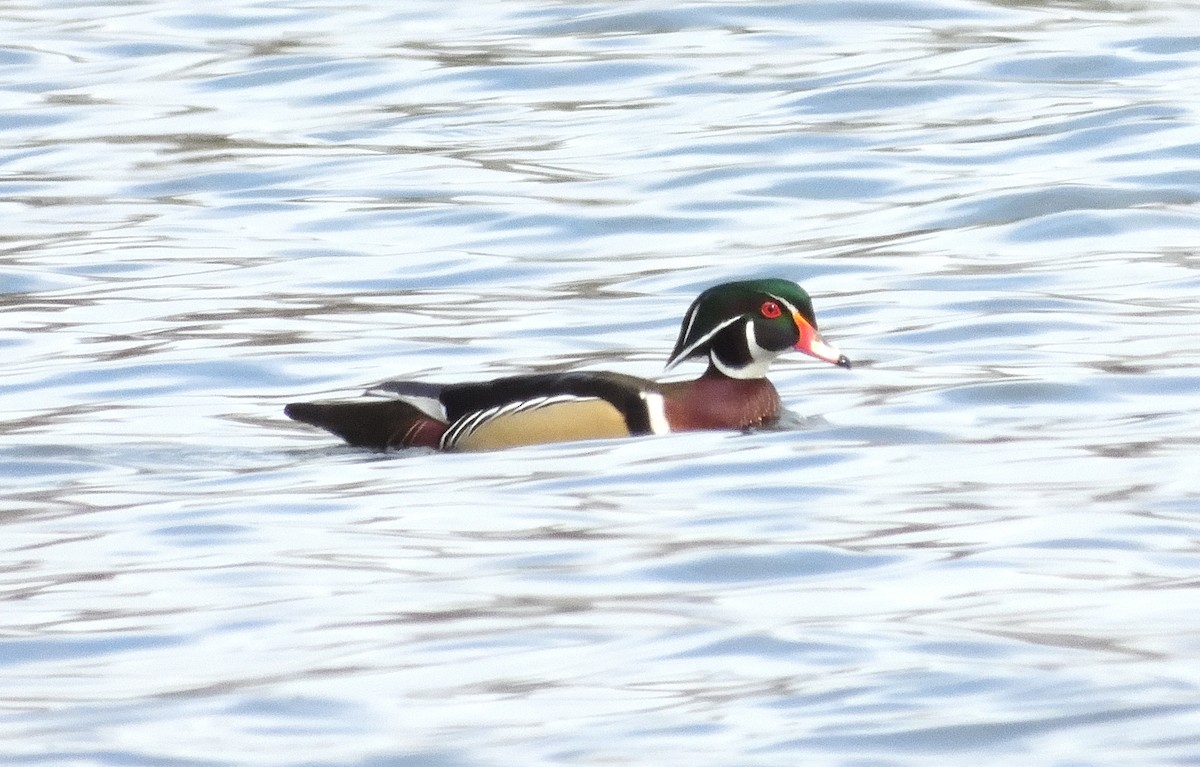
{"x":740,"y":327}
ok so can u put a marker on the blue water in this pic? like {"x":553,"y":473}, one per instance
{"x":978,"y":546}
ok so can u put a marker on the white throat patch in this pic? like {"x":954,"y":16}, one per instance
{"x":760,"y":359}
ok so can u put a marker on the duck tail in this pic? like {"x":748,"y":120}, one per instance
{"x":376,"y":424}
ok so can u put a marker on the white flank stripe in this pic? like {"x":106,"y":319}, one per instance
{"x":656,"y":409}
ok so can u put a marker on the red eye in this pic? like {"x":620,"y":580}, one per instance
{"x":770,"y":310}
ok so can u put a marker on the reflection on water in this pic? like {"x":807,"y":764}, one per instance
{"x":981,"y":539}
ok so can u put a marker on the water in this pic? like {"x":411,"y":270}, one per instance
{"x":979,"y":545}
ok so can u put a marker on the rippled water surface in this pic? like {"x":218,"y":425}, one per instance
{"x":981,"y":545}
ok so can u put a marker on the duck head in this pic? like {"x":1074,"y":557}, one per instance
{"x":741,"y":327}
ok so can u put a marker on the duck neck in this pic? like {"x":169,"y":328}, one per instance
{"x":716,"y":400}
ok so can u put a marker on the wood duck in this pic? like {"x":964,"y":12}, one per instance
{"x":740,"y":327}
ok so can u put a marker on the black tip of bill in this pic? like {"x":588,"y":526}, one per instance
{"x":843,"y":362}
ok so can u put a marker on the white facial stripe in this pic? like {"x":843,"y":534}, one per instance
{"x":785,"y":302}
{"x":430,"y":406}
{"x":688,"y":321}
{"x":702,"y":340}
{"x":757,"y":351}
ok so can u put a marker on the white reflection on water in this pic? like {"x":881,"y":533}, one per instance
{"x":981,"y":539}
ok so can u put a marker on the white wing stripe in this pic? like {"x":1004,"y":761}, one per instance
{"x":472,"y":422}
